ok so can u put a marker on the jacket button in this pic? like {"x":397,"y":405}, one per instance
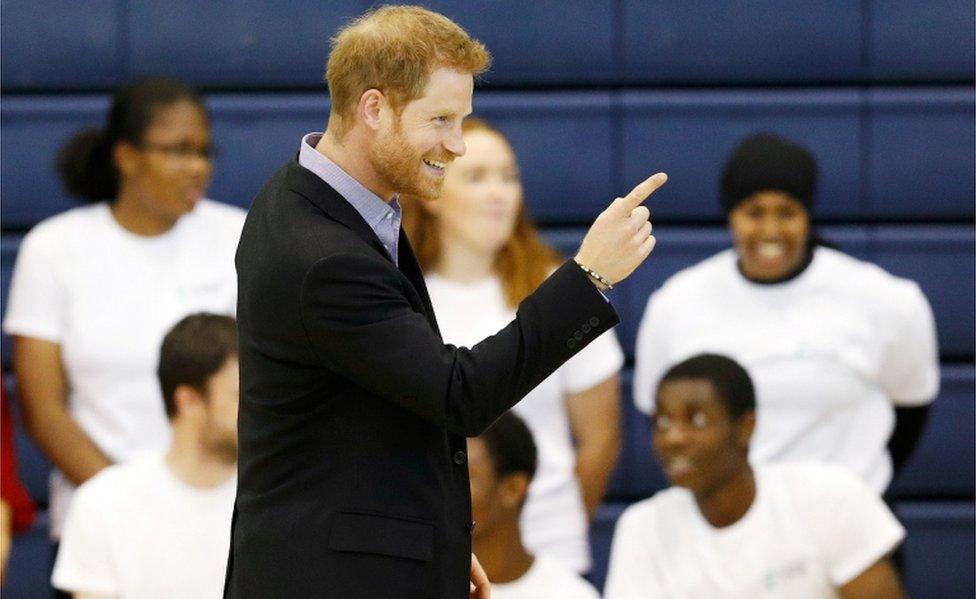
{"x":594,"y":321}
{"x":577,"y":335}
{"x":460,"y":458}
{"x":586,"y":328}
{"x":571,"y":344}
{"x":470,"y":527}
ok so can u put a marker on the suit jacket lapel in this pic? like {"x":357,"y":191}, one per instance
{"x":411,"y":269}
{"x":309,"y":185}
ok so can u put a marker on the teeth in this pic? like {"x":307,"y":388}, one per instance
{"x":771,"y":250}
{"x":679,"y":463}
{"x":435,"y":164}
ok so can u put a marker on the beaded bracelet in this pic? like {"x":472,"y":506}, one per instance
{"x":596,"y":277}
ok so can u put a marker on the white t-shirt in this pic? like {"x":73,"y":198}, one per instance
{"x":135,"y":530}
{"x":829,"y":352}
{"x":811,"y":529}
{"x":546,"y":578}
{"x":553,"y":520}
{"x":108,"y":297}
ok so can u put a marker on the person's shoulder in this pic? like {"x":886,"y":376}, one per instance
{"x":219,"y":213}
{"x":114,"y":483}
{"x":650,"y":513}
{"x":562,"y":581}
{"x":693,"y":280}
{"x":853,"y":275}
{"x":58,"y":229}
{"x":844,"y":268}
{"x":812,"y":485}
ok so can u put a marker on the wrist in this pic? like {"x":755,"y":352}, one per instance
{"x":601,"y":282}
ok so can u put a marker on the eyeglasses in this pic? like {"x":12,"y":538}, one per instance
{"x":181,"y":151}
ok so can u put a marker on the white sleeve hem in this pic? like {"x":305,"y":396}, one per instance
{"x":36,"y":330}
{"x":854,"y":567}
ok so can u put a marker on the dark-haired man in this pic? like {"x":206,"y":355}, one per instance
{"x":501,"y":463}
{"x":159,"y":526}
{"x":724,"y":530}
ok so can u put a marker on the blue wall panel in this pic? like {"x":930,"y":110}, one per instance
{"x":925,"y":41}
{"x":34,"y":129}
{"x":256,"y":135}
{"x":690,"y":135}
{"x":238,"y":44}
{"x":50,"y":44}
{"x":943,"y":463}
{"x":731,"y":41}
{"x":564,"y":145}
{"x":921,"y":153}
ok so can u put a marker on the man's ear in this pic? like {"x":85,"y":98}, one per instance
{"x":188,"y":400}
{"x":744,"y":428}
{"x":514,"y":488}
{"x":126,"y":157}
{"x":370,"y":109}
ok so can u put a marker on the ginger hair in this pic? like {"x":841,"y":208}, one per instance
{"x":394,"y":49}
{"x":522,"y":264}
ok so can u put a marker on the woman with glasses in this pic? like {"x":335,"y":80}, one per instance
{"x":95,"y":288}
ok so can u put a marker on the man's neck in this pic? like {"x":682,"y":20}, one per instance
{"x":502,"y":554}
{"x":194,"y":465}
{"x":352,"y":156}
{"x":727,"y":504}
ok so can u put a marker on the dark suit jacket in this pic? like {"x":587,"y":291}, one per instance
{"x":353,"y":479}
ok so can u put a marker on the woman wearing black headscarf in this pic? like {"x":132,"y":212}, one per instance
{"x":834,"y":344}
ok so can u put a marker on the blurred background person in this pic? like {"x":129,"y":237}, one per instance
{"x":159,"y":525}
{"x":502,"y":462}
{"x":833,"y":343}
{"x":482,"y":255}
{"x":16,"y":507}
{"x":726,"y":530}
{"x":95,"y":288}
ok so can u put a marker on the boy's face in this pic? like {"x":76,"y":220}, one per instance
{"x":699,"y":446}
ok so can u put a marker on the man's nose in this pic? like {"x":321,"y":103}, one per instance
{"x":455,"y":141}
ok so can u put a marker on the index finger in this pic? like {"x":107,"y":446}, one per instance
{"x":637,"y":195}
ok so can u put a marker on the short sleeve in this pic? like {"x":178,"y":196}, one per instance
{"x":36,"y":304}
{"x":86,"y":560}
{"x":630,"y":573}
{"x":650,"y":359}
{"x":910,"y":370}
{"x":853,"y":525}
{"x":597,"y":362}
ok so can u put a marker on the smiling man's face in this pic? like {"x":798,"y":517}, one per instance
{"x":412,"y":150}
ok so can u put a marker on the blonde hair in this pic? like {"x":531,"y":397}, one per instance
{"x":394,"y":49}
{"x":522,"y":263}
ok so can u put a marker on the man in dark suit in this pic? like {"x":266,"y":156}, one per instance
{"x":353,"y":479}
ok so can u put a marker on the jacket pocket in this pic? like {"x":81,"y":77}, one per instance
{"x":382,"y":535}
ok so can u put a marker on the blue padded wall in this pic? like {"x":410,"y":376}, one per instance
{"x":920,"y":153}
{"x":578,"y":149}
{"x":943,"y":463}
{"x":564,"y":143}
{"x":50,"y":44}
{"x":539,"y":43}
{"x":690,"y":134}
{"x":253,"y":44}
{"x":939,"y":549}
{"x":228,"y":43}
{"x":906,"y":43}
{"x":34,"y":129}
{"x":727,"y":40}
{"x":255,"y":135}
